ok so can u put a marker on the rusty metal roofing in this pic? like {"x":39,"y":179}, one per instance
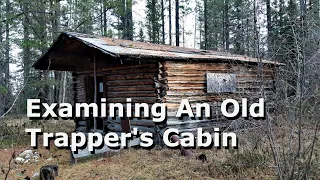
{"x":120,"y":47}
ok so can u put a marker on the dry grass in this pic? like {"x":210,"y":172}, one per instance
{"x":147,"y":164}
{"x":253,"y":160}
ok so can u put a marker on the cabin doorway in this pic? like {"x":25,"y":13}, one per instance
{"x":100,"y":87}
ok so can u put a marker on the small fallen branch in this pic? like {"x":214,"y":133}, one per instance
{"x":9,"y":166}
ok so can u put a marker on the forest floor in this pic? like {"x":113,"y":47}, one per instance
{"x":253,"y":159}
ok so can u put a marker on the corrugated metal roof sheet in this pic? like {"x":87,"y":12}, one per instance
{"x":119,"y":47}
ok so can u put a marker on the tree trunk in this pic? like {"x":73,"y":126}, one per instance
{"x":26,"y":47}
{"x":170,"y":24}
{"x":104,"y":18}
{"x":123,"y":26}
{"x":154,"y":26}
{"x":280,"y":13}
{"x":129,"y":22}
{"x":55,"y":32}
{"x":226,"y":18}
{"x":1,"y":65}
{"x":269,"y":28}
{"x":7,"y":55}
{"x":177,"y":23}
{"x":205,"y":24}
{"x":162,"y":19}
{"x":255,"y":34}
{"x":195,"y":25}
{"x":43,"y":43}
{"x":64,"y":87}
{"x":56,"y":20}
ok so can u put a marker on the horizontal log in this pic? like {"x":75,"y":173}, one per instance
{"x":190,"y":79}
{"x":196,"y":66}
{"x":186,"y":91}
{"x":186,"y":82}
{"x":189,"y":94}
{"x":175,"y":84}
{"x":121,"y":67}
{"x":130,"y":94}
{"x":131,"y":76}
{"x":130,"y":82}
{"x":132,"y":71}
{"x":124,"y":72}
{"x":182,"y":74}
{"x":148,"y":100}
{"x":131,"y":88}
{"x":215,"y":64}
{"x":202,"y":71}
{"x":183,"y":88}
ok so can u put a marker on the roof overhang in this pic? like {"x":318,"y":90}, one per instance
{"x":69,"y":46}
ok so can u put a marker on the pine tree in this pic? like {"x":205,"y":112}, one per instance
{"x":162,"y":22}
{"x":141,"y":35}
{"x":226,"y":25}
{"x":2,"y":87}
{"x":177,"y":23}
{"x":153,"y":20}
{"x":269,"y":27}
{"x":7,"y":58}
{"x":170,"y":23}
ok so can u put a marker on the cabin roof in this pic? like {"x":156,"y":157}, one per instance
{"x":125,"y":48}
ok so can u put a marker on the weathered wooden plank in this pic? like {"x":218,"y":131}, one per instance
{"x":183,"y":88}
{"x":187,"y":82}
{"x":197,"y":67}
{"x":132,"y":71}
{"x":131,"y":76}
{"x":179,"y":78}
{"x":114,"y":68}
{"x":130,"y":82}
{"x":182,"y":74}
{"x":190,"y":94}
{"x":131,"y":94}
{"x":177,"y":84}
{"x":148,"y":100}
{"x":149,"y":88}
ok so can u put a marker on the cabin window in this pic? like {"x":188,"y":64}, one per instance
{"x":221,"y":82}
{"x":101,"y":87}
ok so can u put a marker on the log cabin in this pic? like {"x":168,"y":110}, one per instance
{"x":118,"y":69}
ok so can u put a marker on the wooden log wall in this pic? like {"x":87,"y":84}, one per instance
{"x":135,"y":82}
{"x":169,"y":82}
{"x":79,"y":88}
{"x":187,"y":80}
{"x":138,"y":82}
